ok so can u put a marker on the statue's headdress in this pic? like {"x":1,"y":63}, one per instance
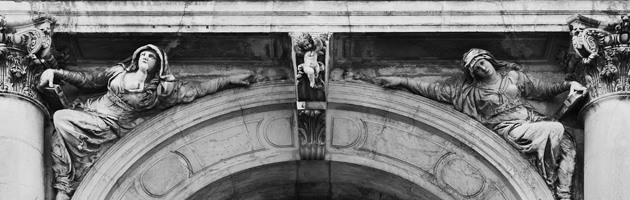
{"x":472,"y":57}
{"x":165,"y":77}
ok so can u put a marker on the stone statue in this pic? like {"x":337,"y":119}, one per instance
{"x":86,"y":131}
{"x":311,"y":48}
{"x":495,"y":93}
{"x":311,"y":67}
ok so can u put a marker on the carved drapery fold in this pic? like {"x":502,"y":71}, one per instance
{"x":24,"y":54}
{"x":604,"y":47}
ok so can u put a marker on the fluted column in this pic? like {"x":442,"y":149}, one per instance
{"x":22,"y":112}
{"x":605,"y":51}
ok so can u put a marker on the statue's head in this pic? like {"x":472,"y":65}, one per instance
{"x":142,"y":58}
{"x":472,"y":57}
{"x":147,"y":60}
{"x":305,"y":42}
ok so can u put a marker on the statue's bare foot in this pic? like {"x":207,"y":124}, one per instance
{"x":62,"y":196}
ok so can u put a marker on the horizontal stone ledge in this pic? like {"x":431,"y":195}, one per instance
{"x":296,"y":16}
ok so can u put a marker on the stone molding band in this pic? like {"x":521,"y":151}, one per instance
{"x":332,"y":16}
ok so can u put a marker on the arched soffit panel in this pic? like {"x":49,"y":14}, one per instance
{"x":186,"y":148}
{"x":429,"y":143}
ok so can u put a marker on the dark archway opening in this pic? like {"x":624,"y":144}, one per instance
{"x":312,"y":180}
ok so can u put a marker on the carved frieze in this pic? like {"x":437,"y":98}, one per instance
{"x":604,"y":47}
{"x":24,"y":54}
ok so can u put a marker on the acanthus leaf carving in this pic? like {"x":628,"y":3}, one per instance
{"x":312,"y":134}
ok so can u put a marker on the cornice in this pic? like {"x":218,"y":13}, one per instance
{"x":304,"y":16}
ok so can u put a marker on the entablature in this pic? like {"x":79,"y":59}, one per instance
{"x":309,"y":16}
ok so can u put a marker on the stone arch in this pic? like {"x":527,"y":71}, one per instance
{"x":434,"y":151}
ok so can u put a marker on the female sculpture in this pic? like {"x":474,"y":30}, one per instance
{"x":495,"y":94}
{"x":86,"y":131}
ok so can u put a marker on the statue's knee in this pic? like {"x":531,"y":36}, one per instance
{"x":62,"y":117}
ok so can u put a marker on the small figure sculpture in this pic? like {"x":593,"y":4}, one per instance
{"x":496,"y":94}
{"x":310,"y":48}
{"x":311,"y":67}
{"x":85,"y":132}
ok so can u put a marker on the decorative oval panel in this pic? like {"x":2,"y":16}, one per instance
{"x":345,"y":132}
{"x":459,"y":174}
{"x":162,"y":176}
{"x":279,"y":132}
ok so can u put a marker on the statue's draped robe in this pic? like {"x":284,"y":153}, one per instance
{"x":507,"y":112}
{"x":91,"y":127}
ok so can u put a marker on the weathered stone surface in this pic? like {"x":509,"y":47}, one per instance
{"x":606,"y":125}
{"x":278,"y":132}
{"x":233,"y":125}
{"x":418,"y":127}
{"x":463,"y":177}
{"x":22,"y":148}
{"x":296,"y":16}
{"x":197,"y":58}
{"x":345,"y":132}
{"x":394,"y":156}
{"x":163,"y":175}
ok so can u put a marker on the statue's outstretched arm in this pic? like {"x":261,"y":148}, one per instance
{"x":185,"y":92}
{"x":536,"y":89}
{"x":82,"y":79}
{"x":432,"y":90}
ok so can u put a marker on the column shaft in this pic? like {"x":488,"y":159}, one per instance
{"x":607,"y":147}
{"x":21,"y":148}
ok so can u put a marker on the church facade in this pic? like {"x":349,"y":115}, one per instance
{"x":313,"y":123}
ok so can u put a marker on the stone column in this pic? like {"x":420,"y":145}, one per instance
{"x":604,"y":48}
{"x":22,"y":112}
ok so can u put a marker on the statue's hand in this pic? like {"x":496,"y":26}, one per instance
{"x":240,"y":79}
{"x":46,"y":79}
{"x":576,"y":87}
{"x":389,"y":81}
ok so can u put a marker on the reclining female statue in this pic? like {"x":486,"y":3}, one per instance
{"x":86,"y":131}
{"x":496,"y":94}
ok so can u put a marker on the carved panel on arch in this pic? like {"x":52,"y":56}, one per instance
{"x":421,"y":150}
{"x":162,"y":176}
{"x":400,"y":143}
{"x":346,"y":132}
{"x":210,"y":145}
{"x":278,"y":132}
{"x":207,"y":147}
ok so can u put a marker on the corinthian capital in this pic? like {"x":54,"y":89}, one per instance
{"x":605,"y":50}
{"x":24,"y":54}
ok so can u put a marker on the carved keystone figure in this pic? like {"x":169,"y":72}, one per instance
{"x":310,"y":47}
{"x":311,"y":67}
{"x":495,"y":93}
{"x":86,"y":131}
